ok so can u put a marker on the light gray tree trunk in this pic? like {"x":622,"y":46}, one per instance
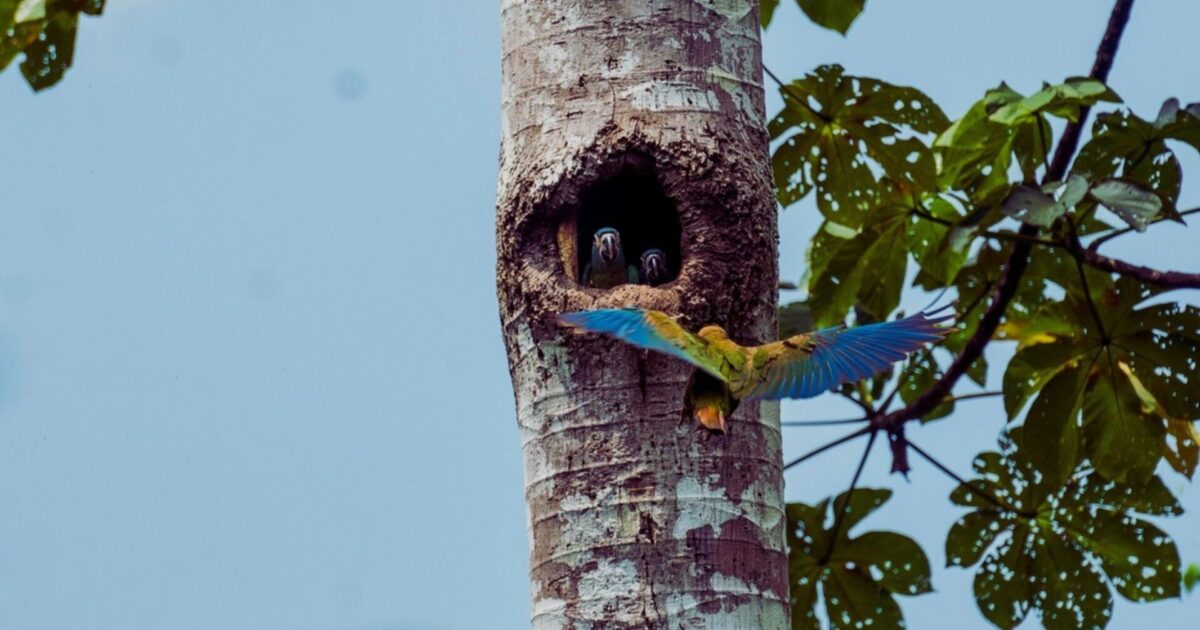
{"x":638,"y":517}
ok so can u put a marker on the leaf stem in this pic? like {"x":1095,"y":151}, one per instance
{"x":841,"y":515}
{"x":800,"y":100}
{"x":1094,"y":245}
{"x":821,"y":449}
{"x":821,"y":423}
{"x":979,"y":492}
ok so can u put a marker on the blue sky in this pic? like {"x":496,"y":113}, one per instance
{"x":234,"y":391}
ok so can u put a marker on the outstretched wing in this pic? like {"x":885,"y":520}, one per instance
{"x":809,"y":364}
{"x":653,"y":330}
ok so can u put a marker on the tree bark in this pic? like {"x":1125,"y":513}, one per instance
{"x":637,"y":516}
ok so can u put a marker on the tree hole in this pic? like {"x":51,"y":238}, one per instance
{"x":633,"y":204}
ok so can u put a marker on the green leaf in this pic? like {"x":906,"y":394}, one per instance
{"x":835,"y":15}
{"x":920,"y":374}
{"x":49,"y":57}
{"x":867,"y":270}
{"x":1182,"y":452}
{"x":858,"y":576}
{"x":1126,"y":145}
{"x":1124,"y":442}
{"x":837,"y":129}
{"x":1030,"y":205}
{"x":1064,"y":554}
{"x":976,"y":151}
{"x":1032,"y":367}
{"x":970,"y":537}
{"x":1002,"y":584}
{"x":1134,"y":203}
{"x":1051,"y":426}
{"x":934,"y":247}
{"x":1191,"y":577}
{"x":766,"y":11}
{"x":1069,"y":592}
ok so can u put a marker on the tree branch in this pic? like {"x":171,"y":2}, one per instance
{"x":1019,"y":258}
{"x":1168,"y":279}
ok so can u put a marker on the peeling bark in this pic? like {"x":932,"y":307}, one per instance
{"x":637,"y":516}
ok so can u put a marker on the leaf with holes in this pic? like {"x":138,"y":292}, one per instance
{"x":45,"y":32}
{"x":838,"y":129}
{"x":859,"y":576}
{"x":835,"y":15}
{"x":1134,"y":203}
{"x":1060,"y":550}
{"x":1124,"y":144}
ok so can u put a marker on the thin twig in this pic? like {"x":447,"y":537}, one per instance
{"x":979,"y":492}
{"x":841,"y":515}
{"x":821,"y":423}
{"x":971,"y":396}
{"x":866,"y":407}
{"x":800,"y":100}
{"x":822,"y":449}
{"x":1095,"y":244}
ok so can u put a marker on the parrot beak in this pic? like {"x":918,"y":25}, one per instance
{"x":656,"y":269}
{"x":608,"y":247}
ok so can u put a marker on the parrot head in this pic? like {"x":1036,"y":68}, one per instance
{"x":606,"y":245}
{"x":707,"y":399}
{"x":654,"y":267}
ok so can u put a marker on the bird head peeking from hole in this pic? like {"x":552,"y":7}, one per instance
{"x":606,"y":268}
{"x":653,"y":269}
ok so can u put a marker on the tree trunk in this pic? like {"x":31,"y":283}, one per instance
{"x":646,"y":114}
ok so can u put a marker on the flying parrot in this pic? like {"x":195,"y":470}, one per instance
{"x":801,"y":366}
{"x":653,"y":269}
{"x":607,"y":268}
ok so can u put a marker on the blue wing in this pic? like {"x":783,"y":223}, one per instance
{"x":652,"y":330}
{"x":812,"y":363}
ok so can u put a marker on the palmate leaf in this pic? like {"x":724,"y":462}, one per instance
{"x":846,"y":127}
{"x":1062,"y":549}
{"x":1139,"y":372}
{"x":857,"y":576}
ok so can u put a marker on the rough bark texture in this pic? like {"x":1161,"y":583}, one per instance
{"x":638,"y":517}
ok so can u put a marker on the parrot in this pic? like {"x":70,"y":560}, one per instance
{"x":654,"y":270}
{"x":607,"y":268}
{"x":801,"y":366}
